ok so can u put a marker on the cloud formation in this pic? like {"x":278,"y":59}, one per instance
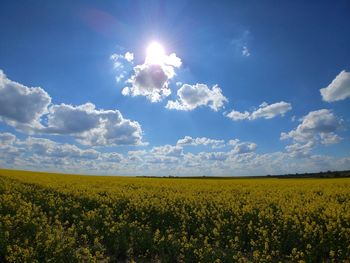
{"x":25,"y":108}
{"x":168,"y":150}
{"x":265,"y":111}
{"x":44,"y":154}
{"x":46,"y":147}
{"x":122,"y":64}
{"x":93,"y":127}
{"x":129,"y":56}
{"x":190,"y":97}
{"x":299,"y":150}
{"x":152,"y":79}
{"x":21,"y":106}
{"x":120,"y":59}
{"x":242,"y":147}
{"x":7,"y":138}
{"x":339,"y":89}
{"x":189,"y":141}
{"x":316,"y":127}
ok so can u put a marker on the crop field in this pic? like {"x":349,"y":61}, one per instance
{"x":72,"y":218}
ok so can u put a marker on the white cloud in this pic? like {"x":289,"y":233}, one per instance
{"x":266,"y":111}
{"x":92,"y":126}
{"x":173,"y":61}
{"x":120,"y":77}
{"x":122,"y":64}
{"x":29,"y":110}
{"x":233,"y":142}
{"x":188,"y":140}
{"x":44,"y":154}
{"x":137,"y":156}
{"x":316,"y":125}
{"x":152,"y":79}
{"x":129,"y":56}
{"x":112,"y":157}
{"x":158,"y":157}
{"x":46,"y":147}
{"x":213,"y":156}
{"x":300,"y":150}
{"x":8,"y":151}
{"x":7,"y":138}
{"x":169,"y":159}
{"x":119,"y":60}
{"x":168,"y":150}
{"x":330,"y":138}
{"x":339,"y":89}
{"x":236,"y":115}
{"x":245,"y":51}
{"x":193,"y":96}
{"x":242,"y":147}
{"x":270,"y":111}
{"x":68,"y":119}
{"x":21,"y":106}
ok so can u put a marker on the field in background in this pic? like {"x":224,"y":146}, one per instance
{"x":72,"y":218}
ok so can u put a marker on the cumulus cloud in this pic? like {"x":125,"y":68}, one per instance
{"x":339,"y":89}
{"x":237,"y":116}
{"x":168,"y":150}
{"x":25,"y":108}
{"x":21,"y":106}
{"x":188,"y":140}
{"x":316,"y":127}
{"x":112,"y":157}
{"x":45,"y":154}
{"x":46,"y":147}
{"x":330,"y":138}
{"x":92,"y":126}
{"x":270,"y":111}
{"x":265,"y":110}
{"x":171,"y":159}
{"x":152,"y":79}
{"x":193,"y":96}
{"x":242,"y":147}
{"x":158,"y":157}
{"x":8,"y":151}
{"x":213,"y":156}
{"x":300,"y":149}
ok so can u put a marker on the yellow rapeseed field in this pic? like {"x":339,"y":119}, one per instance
{"x":71,"y":218}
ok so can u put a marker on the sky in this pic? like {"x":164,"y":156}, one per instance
{"x":200,"y":88}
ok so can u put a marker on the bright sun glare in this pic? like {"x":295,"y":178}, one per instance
{"x":155,"y":53}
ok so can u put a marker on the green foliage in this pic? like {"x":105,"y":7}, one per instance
{"x":66,"y":218}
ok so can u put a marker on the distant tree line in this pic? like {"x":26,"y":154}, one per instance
{"x":322,"y":174}
{"x":327,"y":174}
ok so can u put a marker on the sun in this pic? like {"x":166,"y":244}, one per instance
{"x":155,"y":53}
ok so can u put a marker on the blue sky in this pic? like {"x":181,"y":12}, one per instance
{"x":231,"y":88}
